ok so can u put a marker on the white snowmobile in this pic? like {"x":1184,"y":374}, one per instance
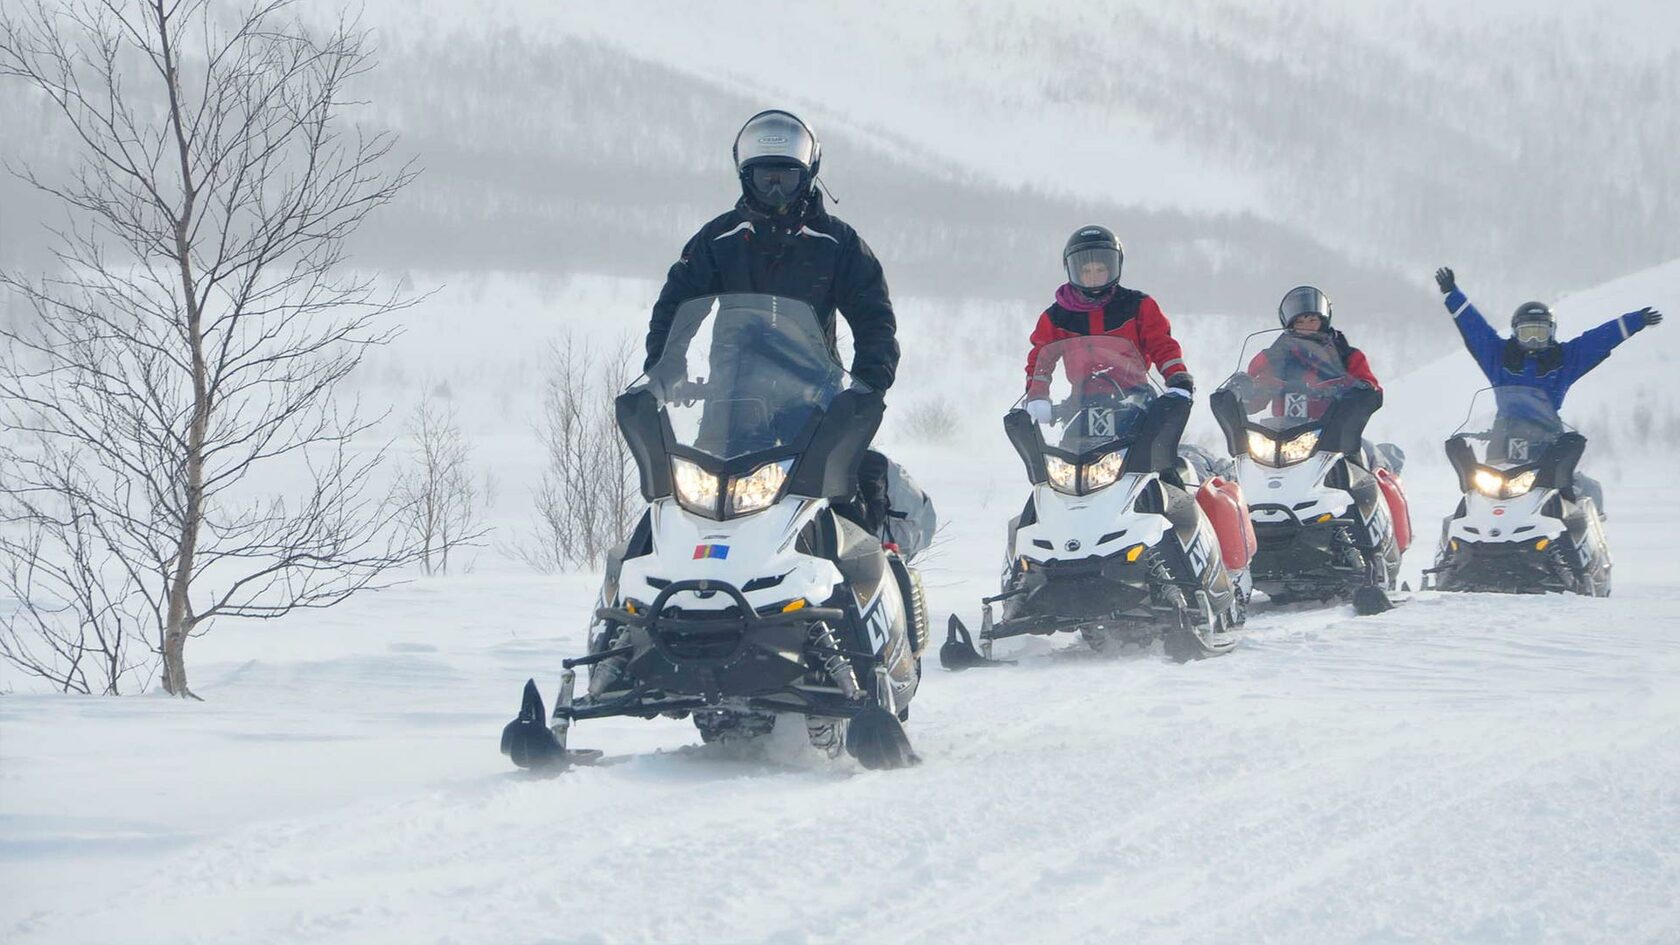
{"x":1330,"y":520}
{"x":1521,"y":528}
{"x":1119,"y":542}
{"x":742,"y":597}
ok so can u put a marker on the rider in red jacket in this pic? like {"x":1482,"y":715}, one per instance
{"x":1093,"y":302}
{"x":1309,"y":352}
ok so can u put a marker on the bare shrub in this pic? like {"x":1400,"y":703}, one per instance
{"x":589,"y":493}
{"x":77,"y":621}
{"x":441,"y":506}
{"x":930,"y":419}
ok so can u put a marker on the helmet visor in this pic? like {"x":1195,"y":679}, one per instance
{"x":776,"y":184}
{"x":775,"y":135}
{"x":1304,"y":300}
{"x":1094,"y":268}
{"x":1533,"y":334}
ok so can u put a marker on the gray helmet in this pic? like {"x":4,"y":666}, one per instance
{"x":777,"y":157}
{"x":1534,"y":326}
{"x":1304,"y":300}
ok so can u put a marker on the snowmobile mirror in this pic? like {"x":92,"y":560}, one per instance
{"x":1228,"y":411}
{"x":637,"y":413}
{"x":1463,"y":459}
{"x":828,"y":467}
{"x":1557,"y":466}
{"x":1023,"y":433}
{"x":1156,"y":447}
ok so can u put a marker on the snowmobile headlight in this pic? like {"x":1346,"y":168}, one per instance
{"x":1063,"y":475}
{"x":1298,"y":449}
{"x":697,"y":489}
{"x":1488,"y":482}
{"x":1104,"y":471}
{"x":1519,"y":484}
{"x":759,"y":489}
{"x":1262,"y":447}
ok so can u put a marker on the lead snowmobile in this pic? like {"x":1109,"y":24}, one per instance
{"x":1331,"y":522}
{"x":1118,"y":542}
{"x":742,"y":597}
{"x":1521,"y":528}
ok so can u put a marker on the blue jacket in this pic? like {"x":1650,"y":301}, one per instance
{"x":1553,"y":370}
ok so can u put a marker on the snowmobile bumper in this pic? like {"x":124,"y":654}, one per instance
{"x":1504,"y":567}
{"x":733,"y":651}
{"x":1061,"y":595}
{"x":1302,"y":557}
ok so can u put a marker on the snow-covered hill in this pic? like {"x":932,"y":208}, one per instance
{"x":1463,"y":769}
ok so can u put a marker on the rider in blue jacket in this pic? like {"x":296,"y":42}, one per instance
{"x":1532,"y":356}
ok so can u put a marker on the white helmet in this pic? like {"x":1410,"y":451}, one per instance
{"x":777,"y":157}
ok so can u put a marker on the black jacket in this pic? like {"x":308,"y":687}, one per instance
{"x":813,"y":257}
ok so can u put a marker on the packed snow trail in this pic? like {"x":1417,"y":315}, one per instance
{"x":1462,"y":769}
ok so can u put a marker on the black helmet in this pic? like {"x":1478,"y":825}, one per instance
{"x":777,"y":157}
{"x":1534,"y":326}
{"x":1304,"y":300}
{"x":1091,"y":246}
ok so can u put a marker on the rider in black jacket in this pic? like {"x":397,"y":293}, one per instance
{"x":779,"y":239}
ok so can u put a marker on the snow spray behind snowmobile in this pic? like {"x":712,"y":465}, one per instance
{"x":1330,"y":521}
{"x":1521,"y":527}
{"x":1118,"y":542}
{"x":742,"y":596}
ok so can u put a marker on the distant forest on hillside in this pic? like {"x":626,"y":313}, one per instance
{"x":602,"y":163}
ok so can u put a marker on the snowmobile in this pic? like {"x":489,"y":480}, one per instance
{"x":1330,"y":519}
{"x":1521,"y":528}
{"x":743,"y":597}
{"x":1119,"y":542}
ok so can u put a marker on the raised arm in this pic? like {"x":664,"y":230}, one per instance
{"x":1480,"y":339}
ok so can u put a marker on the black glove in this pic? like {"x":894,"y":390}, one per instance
{"x":1650,"y":316}
{"x":1182,"y":381}
{"x":1444,"y":279}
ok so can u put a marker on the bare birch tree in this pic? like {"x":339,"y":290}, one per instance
{"x":178,"y":367}
{"x":589,"y":493}
{"x":441,"y":503}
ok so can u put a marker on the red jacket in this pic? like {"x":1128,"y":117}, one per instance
{"x":1353,"y":362}
{"x":1128,"y":314}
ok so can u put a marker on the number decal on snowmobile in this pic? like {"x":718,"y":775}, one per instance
{"x":1199,"y":550}
{"x":878,"y":624}
{"x":1100,"y":421}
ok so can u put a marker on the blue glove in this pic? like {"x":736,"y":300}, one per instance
{"x":1444,"y":279}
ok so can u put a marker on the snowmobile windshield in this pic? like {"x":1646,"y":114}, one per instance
{"x":1511,"y":426}
{"x":1288,"y":378}
{"x":744,"y":373}
{"x":1098,"y":390}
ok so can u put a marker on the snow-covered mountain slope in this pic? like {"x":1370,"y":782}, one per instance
{"x":1463,"y":769}
{"x":1531,"y":140}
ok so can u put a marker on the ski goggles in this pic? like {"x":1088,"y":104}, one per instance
{"x":1533,"y":333}
{"x":776,"y":184}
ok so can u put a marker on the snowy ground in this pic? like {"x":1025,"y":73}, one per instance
{"x":1464,"y":769}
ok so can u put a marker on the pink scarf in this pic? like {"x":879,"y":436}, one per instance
{"x":1069,"y":297}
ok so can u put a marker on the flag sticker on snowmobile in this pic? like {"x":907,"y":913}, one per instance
{"x":1295,"y":405}
{"x":1099,"y":421}
{"x":710,"y":551}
